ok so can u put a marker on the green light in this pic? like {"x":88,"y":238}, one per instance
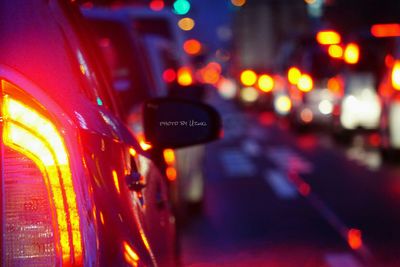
{"x":181,"y":7}
{"x":99,"y":101}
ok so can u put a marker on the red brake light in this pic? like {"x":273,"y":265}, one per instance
{"x":192,"y":47}
{"x":169,"y":75}
{"x":336,"y":86}
{"x":49,"y":232}
{"x":385,"y":30}
{"x":157,"y":5}
{"x":396,"y":75}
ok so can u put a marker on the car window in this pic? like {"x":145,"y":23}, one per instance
{"x":126,"y":63}
{"x":94,"y":78}
{"x":153,"y":26}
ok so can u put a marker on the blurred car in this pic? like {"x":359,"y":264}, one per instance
{"x":360,"y":107}
{"x":145,"y":57}
{"x":312,"y":83}
{"x":77,"y":189}
{"x":389,"y":93}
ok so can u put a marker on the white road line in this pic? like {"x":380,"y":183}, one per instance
{"x":251,"y":147}
{"x":280,"y":184}
{"x":287,"y":159}
{"x":342,"y":260}
{"x":236,"y":163}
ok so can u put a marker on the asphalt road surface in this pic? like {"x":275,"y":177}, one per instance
{"x":277,"y":198}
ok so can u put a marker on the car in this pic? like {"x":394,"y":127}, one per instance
{"x":312,"y":83}
{"x":77,"y":189}
{"x":359,"y":109}
{"x":389,"y":96}
{"x":140,"y":57}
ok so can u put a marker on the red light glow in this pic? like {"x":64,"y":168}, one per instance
{"x":157,"y":5}
{"x":169,"y":75}
{"x":385,"y":30}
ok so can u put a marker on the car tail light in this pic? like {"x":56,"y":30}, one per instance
{"x":396,"y":75}
{"x":336,"y":86}
{"x":335,"y":51}
{"x":385,"y":30}
{"x":42,"y":224}
{"x":328,"y":37}
{"x":184,"y":76}
{"x":293,"y":75}
{"x":169,"y":75}
{"x":266,"y":83}
{"x":352,"y":53}
{"x":248,"y":77}
{"x":305,"y":83}
{"x":169,"y":159}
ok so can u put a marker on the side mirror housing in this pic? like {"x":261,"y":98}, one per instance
{"x":174,"y":123}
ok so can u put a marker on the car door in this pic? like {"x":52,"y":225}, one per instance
{"x":136,"y":179}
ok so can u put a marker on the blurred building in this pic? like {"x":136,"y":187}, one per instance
{"x":261,"y":27}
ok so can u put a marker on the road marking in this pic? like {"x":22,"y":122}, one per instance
{"x":251,"y":147}
{"x":289,"y":160}
{"x":258,"y":133}
{"x":369,"y":159}
{"x":233,"y":124}
{"x":280,"y":184}
{"x":341,"y":260}
{"x":236,"y":163}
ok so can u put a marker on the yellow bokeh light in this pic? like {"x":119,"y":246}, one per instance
{"x":249,"y":94}
{"x":248,"y":77}
{"x":185,"y":76}
{"x":238,"y":3}
{"x":335,"y":51}
{"x":169,"y":156}
{"x":352,"y":53}
{"x":186,"y":24}
{"x":396,"y":75}
{"x":328,"y":37}
{"x":294,"y":75}
{"x":305,"y":83}
{"x":266,"y":83}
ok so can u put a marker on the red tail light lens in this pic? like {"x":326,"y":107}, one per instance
{"x":41,"y":214}
{"x":396,"y":75}
{"x":29,"y":236}
{"x":169,"y":75}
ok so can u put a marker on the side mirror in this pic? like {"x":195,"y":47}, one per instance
{"x":174,"y":123}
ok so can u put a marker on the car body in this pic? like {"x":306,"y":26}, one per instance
{"x":130,"y":34}
{"x":77,"y":189}
{"x":389,"y":96}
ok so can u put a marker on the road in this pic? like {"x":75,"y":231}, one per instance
{"x":276,"y":198}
